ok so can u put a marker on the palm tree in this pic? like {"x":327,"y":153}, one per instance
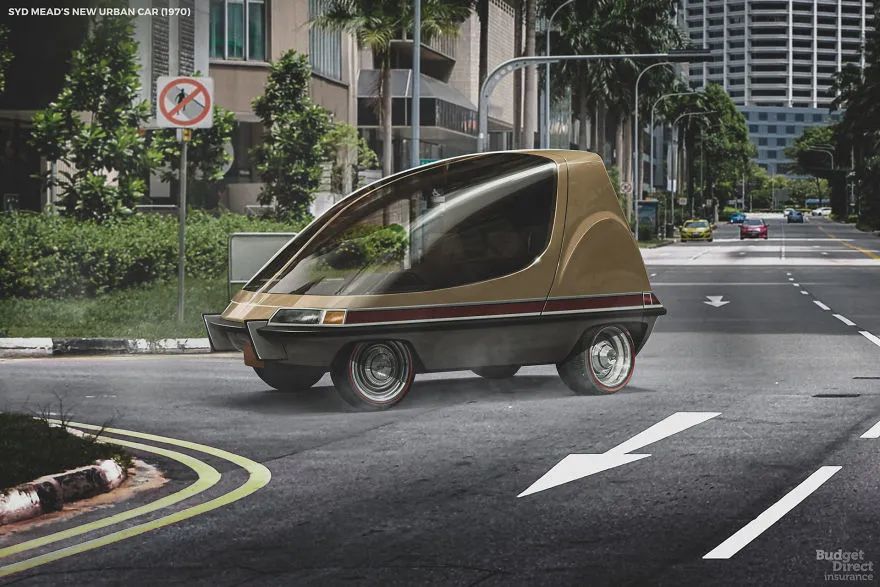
{"x":374,"y":24}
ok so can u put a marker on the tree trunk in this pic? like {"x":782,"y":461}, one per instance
{"x":387,"y":140}
{"x":583,"y":116}
{"x":517,"y":76}
{"x":483,"y":14}
{"x":530,"y":108}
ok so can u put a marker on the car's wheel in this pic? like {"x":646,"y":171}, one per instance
{"x":497,"y":372}
{"x":289,"y":377}
{"x":374,"y":375}
{"x":710,"y":240}
{"x":602,"y":364}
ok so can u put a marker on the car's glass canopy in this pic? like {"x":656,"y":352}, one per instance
{"x":697,"y":224}
{"x":452,"y":224}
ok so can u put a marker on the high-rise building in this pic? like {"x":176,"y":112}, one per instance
{"x":777,"y":59}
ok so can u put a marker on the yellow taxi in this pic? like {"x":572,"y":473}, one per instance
{"x":696,"y":230}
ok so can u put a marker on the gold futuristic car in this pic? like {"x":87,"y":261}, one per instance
{"x":696,"y":230}
{"x":485,"y":262}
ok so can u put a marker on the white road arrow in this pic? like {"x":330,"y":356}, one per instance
{"x":578,"y":466}
{"x":715,"y":301}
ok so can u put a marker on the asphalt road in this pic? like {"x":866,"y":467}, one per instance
{"x":427,"y":493}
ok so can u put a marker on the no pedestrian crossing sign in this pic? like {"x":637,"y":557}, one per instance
{"x":184,"y":102}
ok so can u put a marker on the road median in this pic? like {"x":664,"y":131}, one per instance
{"x":67,"y":346}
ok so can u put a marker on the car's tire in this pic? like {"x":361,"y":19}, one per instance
{"x":497,"y":372}
{"x":289,"y":377}
{"x":710,"y":240}
{"x":374,"y":375}
{"x":602,"y":363}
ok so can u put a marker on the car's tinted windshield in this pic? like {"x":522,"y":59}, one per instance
{"x":753,"y":221}
{"x":450,"y":225}
{"x":696,"y":224}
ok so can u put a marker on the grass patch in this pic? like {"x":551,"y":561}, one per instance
{"x":30,"y":448}
{"x":147,"y":311}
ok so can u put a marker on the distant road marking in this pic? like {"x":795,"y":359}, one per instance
{"x":653,"y":274}
{"x":713,"y":283}
{"x":258,"y":477}
{"x":698,"y":255}
{"x":771,"y":515}
{"x":865,"y":252}
{"x":791,"y":278}
{"x":806,"y":293}
{"x":845,"y":320}
{"x":796,"y":284}
{"x":870,"y":337}
{"x":821,"y":305}
{"x":788,"y":272}
{"x":873,"y":432}
{"x":824,"y":252}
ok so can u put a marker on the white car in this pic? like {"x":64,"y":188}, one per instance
{"x":821,"y":212}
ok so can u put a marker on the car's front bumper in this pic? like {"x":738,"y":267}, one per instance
{"x":696,"y":237}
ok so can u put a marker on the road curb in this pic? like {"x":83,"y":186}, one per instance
{"x":46,"y":347}
{"x":50,"y":492}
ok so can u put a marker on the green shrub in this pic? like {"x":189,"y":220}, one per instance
{"x":54,"y":256}
{"x":726,"y":213}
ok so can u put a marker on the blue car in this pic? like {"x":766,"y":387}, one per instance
{"x":795,"y":216}
{"x":737,"y":218}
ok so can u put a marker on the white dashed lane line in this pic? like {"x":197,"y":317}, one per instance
{"x":821,"y":305}
{"x":873,"y":432}
{"x":771,"y":515}
{"x":845,"y":320}
{"x":870,"y":337}
{"x":806,"y":293}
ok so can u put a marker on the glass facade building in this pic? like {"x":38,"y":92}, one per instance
{"x":777,"y":60}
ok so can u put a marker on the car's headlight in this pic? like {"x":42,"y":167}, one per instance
{"x":303,"y":317}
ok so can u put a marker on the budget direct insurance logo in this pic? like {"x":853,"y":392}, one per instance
{"x":846,"y":565}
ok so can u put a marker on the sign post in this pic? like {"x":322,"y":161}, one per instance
{"x":183,"y":103}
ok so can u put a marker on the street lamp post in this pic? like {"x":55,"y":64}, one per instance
{"x":415,"y":114}
{"x":545,"y":134}
{"x":653,"y":108}
{"x":510,"y":65}
{"x":637,"y":188}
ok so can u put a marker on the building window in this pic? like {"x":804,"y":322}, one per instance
{"x":325,"y":47}
{"x":753,"y":128}
{"x":780,"y":142}
{"x":799,"y":117}
{"x":789,"y":130}
{"x":771,"y":154}
{"x":762,"y":116}
{"x":780,"y":116}
{"x":817,"y":118}
{"x":762,"y":141}
{"x":771,"y":128}
{"x":238,"y":29}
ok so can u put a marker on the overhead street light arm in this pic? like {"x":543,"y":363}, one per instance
{"x":511,"y":65}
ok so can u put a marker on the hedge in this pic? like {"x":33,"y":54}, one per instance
{"x":54,"y":256}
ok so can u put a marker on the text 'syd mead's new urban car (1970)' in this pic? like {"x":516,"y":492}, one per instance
{"x":485,"y":262}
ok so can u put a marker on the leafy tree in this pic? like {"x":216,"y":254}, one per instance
{"x":812,"y":153}
{"x":206,"y":153}
{"x":717,"y":142}
{"x":289,"y":158}
{"x":858,"y":93}
{"x":349,"y":153}
{"x":375,"y":23}
{"x":93,"y":125}
{"x":5,"y":56}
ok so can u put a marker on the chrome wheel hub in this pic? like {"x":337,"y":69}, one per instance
{"x":381,"y":370}
{"x":610,"y":357}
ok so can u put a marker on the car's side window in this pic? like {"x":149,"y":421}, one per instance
{"x":450,"y":225}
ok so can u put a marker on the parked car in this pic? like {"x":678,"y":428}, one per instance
{"x":753,"y":228}
{"x":796,"y":216}
{"x":696,"y":230}
{"x":484,"y":262}
{"x":821,"y":212}
{"x":737,"y":218}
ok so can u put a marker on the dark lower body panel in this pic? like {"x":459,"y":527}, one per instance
{"x":438,"y":346}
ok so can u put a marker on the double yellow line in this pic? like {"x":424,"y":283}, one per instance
{"x":870,"y":254}
{"x":207,"y":475}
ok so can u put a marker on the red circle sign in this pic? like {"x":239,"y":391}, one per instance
{"x":198,"y":90}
